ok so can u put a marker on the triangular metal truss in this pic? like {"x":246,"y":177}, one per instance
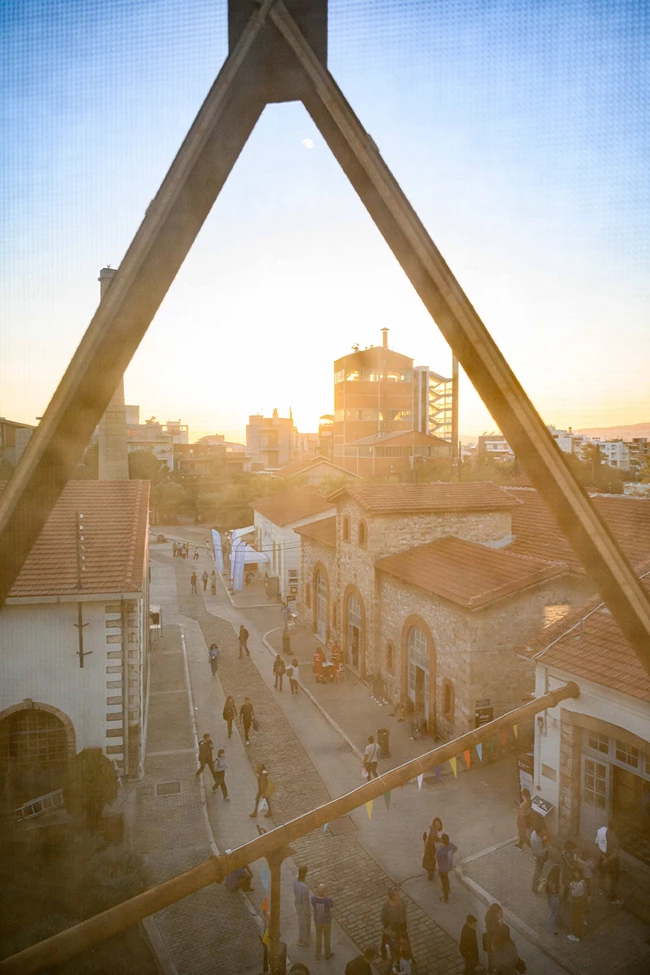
{"x":278,"y":52}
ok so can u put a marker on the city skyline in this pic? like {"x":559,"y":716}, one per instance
{"x":519,"y":133}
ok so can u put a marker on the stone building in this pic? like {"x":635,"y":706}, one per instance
{"x":592,"y":753}
{"x":428,"y":589}
{"x":83,"y":589}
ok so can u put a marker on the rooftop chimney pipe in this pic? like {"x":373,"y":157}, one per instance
{"x":384,"y":338}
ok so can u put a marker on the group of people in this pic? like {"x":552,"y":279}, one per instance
{"x":292,"y":671}
{"x":395,"y":944}
{"x":438,"y":855}
{"x":182,"y":550}
{"x":569,"y":883}
{"x":328,"y":670}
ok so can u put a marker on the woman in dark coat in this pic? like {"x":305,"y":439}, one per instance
{"x":229,"y":713}
{"x":431,"y":842}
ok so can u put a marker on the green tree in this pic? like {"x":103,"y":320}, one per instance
{"x":145,"y":466}
{"x":90,"y":784}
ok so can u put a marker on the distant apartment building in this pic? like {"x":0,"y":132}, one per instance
{"x":379,"y":395}
{"x":210,"y":454}
{"x":14,"y":437}
{"x":270,"y":441}
{"x":496,"y":446}
{"x":152,"y":435}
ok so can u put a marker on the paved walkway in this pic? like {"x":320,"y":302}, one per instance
{"x":310,"y":762}
{"x":211,"y":931}
{"x":615,"y":942}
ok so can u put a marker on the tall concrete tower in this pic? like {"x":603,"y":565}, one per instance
{"x":113,"y":451}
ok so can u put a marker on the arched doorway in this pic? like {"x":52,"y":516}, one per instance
{"x":354,"y":629}
{"x":34,"y":748}
{"x":321,"y":590}
{"x":419,"y":663}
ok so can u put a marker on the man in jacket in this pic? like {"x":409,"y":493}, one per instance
{"x":262,"y":790}
{"x":323,"y":905}
{"x":302,"y":898}
{"x":370,"y":758}
{"x":243,"y":641}
{"x":220,"y":767}
{"x":205,"y":755}
{"x":246,"y":714}
{"x":278,"y":671}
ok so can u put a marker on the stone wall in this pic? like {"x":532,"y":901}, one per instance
{"x":316,"y":556}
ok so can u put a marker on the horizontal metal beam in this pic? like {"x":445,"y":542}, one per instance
{"x":170,"y":226}
{"x":68,"y":943}
{"x":470,"y":340}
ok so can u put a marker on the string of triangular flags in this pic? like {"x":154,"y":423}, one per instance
{"x":453,"y":764}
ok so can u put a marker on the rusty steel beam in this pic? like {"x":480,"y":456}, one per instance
{"x":470,"y":340}
{"x":70,"y":942}
{"x":167,"y":232}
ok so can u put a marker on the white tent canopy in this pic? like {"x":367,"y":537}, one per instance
{"x":239,"y":532}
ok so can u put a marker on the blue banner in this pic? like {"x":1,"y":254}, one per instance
{"x":218,"y":550}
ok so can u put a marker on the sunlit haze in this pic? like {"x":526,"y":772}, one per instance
{"x":519,"y":131}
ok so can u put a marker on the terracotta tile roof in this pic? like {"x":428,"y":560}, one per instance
{"x":588,"y":643}
{"x":536,"y":533}
{"x":323,"y":531}
{"x":116,"y":521}
{"x":292,"y":505}
{"x":302,"y":466}
{"x":466,"y":573}
{"x":441,"y":496}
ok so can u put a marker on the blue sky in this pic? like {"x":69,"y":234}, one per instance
{"x":520,"y":132}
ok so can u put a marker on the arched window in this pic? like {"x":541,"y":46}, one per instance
{"x":346,"y":529}
{"x":33,"y":754}
{"x":390,"y":661}
{"x":448,"y":699}
{"x":362,"y":534}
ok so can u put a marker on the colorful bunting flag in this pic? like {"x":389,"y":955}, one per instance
{"x":479,"y":751}
{"x":453,"y":763}
{"x":265,"y":906}
{"x":437,"y":772}
{"x":267,"y":938}
{"x":387,"y":799}
{"x":369,"y":808}
{"x":515,"y":728}
{"x":420,"y":780}
{"x":467,"y":755}
{"x":266,"y":879}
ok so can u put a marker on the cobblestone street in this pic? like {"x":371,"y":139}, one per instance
{"x":353,"y":878}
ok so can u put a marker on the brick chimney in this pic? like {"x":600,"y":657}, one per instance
{"x":384,"y":338}
{"x":113,"y":451}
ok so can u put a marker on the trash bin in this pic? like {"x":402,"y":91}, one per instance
{"x":383,"y":740}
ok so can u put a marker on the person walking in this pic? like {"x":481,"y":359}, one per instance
{"x":302,"y":900}
{"x":524,"y":819}
{"x":469,"y":945}
{"x":293,"y":673}
{"x":610,"y":860}
{"x":494,"y":924}
{"x":445,"y":860}
{"x":362,"y":964}
{"x":578,"y":905}
{"x":393,"y":923}
{"x":205,"y":755}
{"x":213,"y":583}
{"x":278,"y":671}
{"x":263,"y":790}
{"x":431,"y":843}
{"x":247,"y":715}
{"x":553,"y":886}
{"x":229,"y":713}
{"x":193,"y":581}
{"x":539,"y":845}
{"x":371,"y":757}
{"x":196,"y":554}
{"x":205,"y":578}
{"x":243,"y":641}
{"x":213,"y":655}
{"x":322,"y":905}
{"x":220,"y":767}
